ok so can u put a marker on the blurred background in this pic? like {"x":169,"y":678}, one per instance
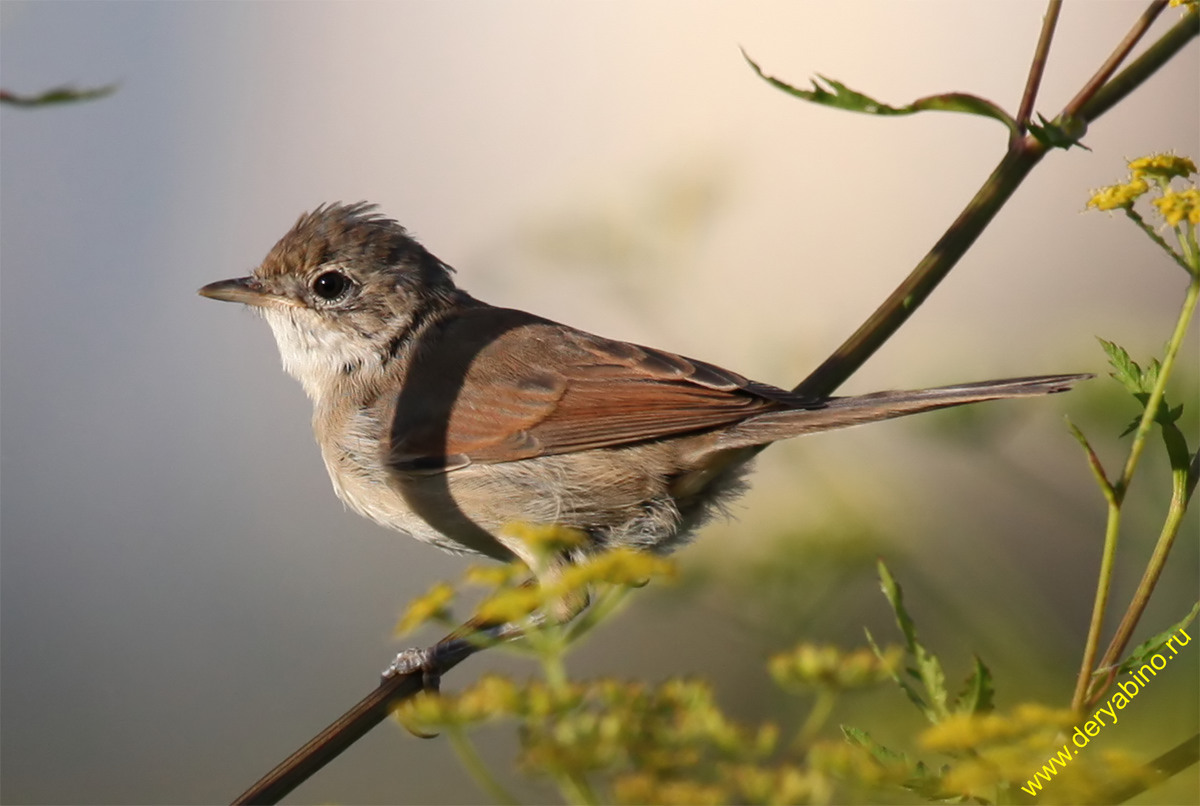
{"x":184,"y":600}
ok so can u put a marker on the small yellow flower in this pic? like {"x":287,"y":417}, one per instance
{"x":491,"y":697}
{"x":1166,"y":166}
{"x":493,"y":576}
{"x":1036,"y":715}
{"x":644,"y":788}
{"x":809,"y":665}
{"x":619,"y":566}
{"x":435,"y":604}
{"x":545,"y":540}
{"x":1115,"y":197}
{"x":1175,"y":206}
{"x":510,"y":605}
{"x":970,"y":731}
{"x":424,"y":712}
{"x":1185,"y":3}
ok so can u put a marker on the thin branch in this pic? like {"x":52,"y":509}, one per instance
{"x":1003,"y":182}
{"x":1169,"y":764}
{"x":1111,"y":64}
{"x":371,"y":710}
{"x":1142,"y":67}
{"x":928,"y":274}
{"x":1029,"y":98}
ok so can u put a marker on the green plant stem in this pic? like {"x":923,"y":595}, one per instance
{"x":817,"y":715}
{"x":1181,"y":259}
{"x":1160,"y":386}
{"x":605,"y":604}
{"x":477,"y":769}
{"x":1103,"y":584}
{"x":1191,"y":250}
{"x":1182,"y":485}
{"x":576,"y":788}
{"x":1141,"y":597}
{"x":549,"y":648}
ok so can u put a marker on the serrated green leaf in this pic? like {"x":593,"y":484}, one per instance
{"x":829,"y":92}
{"x":1153,"y":645}
{"x":928,"y":669}
{"x":1129,"y":429}
{"x":919,"y":779}
{"x":978,"y":693}
{"x":57,"y":95}
{"x":1150,"y":375}
{"x":1126,"y":370}
{"x":861,"y":738}
{"x":909,"y":690}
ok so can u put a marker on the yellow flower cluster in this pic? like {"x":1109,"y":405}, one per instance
{"x":511,"y":599}
{"x":1001,"y":749}
{"x":1166,"y":166}
{"x":964,"y":731}
{"x":1177,"y":206}
{"x":434,"y":605}
{"x":1116,"y":197}
{"x":1156,"y":170}
{"x":655,"y":738}
{"x":813,"y":666}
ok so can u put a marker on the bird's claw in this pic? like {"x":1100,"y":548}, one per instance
{"x":417,"y":660}
{"x":411,"y":661}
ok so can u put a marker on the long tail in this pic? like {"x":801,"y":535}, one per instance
{"x":842,"y":412}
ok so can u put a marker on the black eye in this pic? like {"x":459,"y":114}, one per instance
{"x":331,"y":285}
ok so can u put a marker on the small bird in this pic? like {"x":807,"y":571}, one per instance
{"x":449,"y":419}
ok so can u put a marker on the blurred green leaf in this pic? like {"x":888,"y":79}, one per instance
{"x":57,"y":95}
{"x":927,"y":669}
{"x":919,"y":779}
{"x":828,"y":92}
{"x":978,"y":694}
{"x":1153,"y":645}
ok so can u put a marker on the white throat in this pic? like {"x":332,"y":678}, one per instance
{"x":317,"y":355}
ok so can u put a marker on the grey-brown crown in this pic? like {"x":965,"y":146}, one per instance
{"x":349,"y":234}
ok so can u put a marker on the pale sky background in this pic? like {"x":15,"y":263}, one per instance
{"x":184,"y":601}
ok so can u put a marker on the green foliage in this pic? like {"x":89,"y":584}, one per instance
{"x":56,"y":96}
{"x":1155,"y":644}
{"x":828,"y":92}
{"x":626,"y":741}
{"x":1140,"y":383}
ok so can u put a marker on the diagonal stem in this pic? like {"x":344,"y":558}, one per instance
{"x":1076,"y":104}
{"x":1036,"y":70}
{"x":1085,"y":688}
{"x":1003,"y":182}
{"x":371,"y":710}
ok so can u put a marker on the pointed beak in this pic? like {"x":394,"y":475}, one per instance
{"x":246,"y":290}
